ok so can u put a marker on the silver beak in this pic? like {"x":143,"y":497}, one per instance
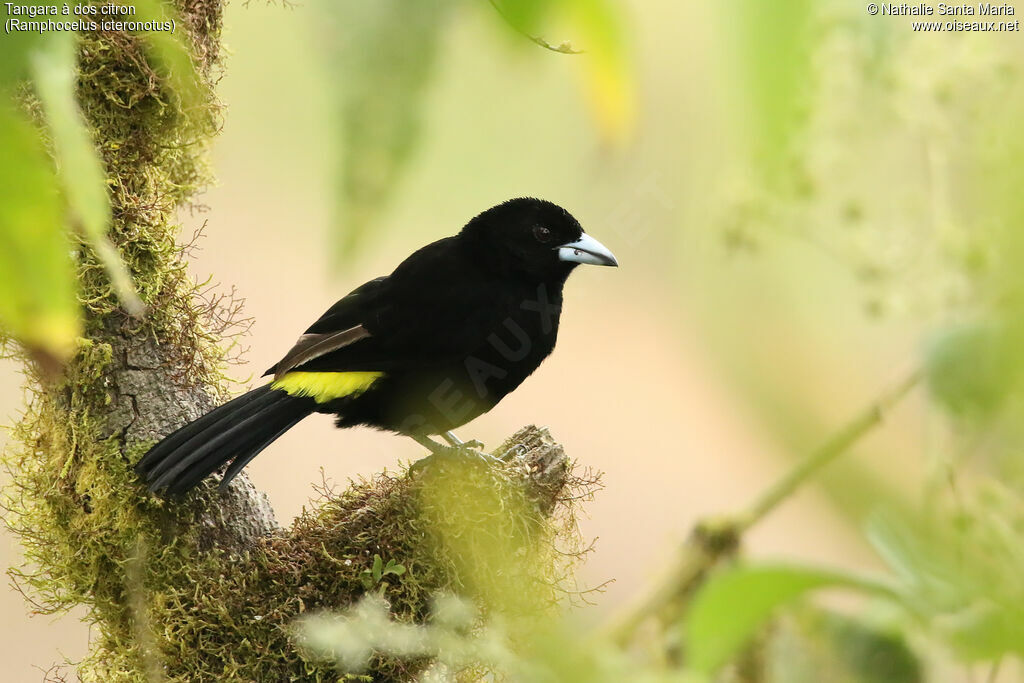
{"x":587,"y":250}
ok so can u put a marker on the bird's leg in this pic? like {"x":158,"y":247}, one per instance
{"x":431,"y":445}
{"x":450,"y":437}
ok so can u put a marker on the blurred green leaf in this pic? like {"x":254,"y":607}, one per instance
{"x":730,"y":608}
{"x":868,"y":654}
{"x":15,"y":49}
{"x":79,"y":167}
{"x":961,"y":574}
{"x":381,"y":55}
{"x":38,"y":306}
{"x":821,"y":645}
{"x":970,"y":369}
{"x":774,"y":43}
{"x":596,"y":32}
{"x":53,"y":72}
{"x":605,"y":68}
{"x":997,"y":213}
{"x":525,"y":16}
{"x":465,"y":647}
{"x":364,"y":629}
{"x":987,"y":632}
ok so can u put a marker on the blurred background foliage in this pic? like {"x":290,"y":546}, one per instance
{"x":816,"y":199}
{"x":382,"y":57}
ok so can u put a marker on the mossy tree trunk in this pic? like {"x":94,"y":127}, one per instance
{"x":204,"y":589}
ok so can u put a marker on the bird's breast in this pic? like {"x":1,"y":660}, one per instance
{"x":515,"y":344}
{"x":467,"y":364}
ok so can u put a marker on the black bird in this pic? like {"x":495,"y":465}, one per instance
{"x":457,"y":326}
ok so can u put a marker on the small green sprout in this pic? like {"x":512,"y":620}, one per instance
{"x":373,"y":576}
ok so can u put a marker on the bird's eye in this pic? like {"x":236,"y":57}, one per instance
{"x":542,"y":234}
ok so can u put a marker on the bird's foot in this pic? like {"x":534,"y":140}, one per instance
{"x":455,"y":454}
{"x":458,"y":443}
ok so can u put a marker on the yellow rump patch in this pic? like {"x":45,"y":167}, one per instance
{"x":325,"y":386}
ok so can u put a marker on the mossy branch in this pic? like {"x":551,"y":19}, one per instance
{"x":716,"y":539}
{"x":206,"y":589}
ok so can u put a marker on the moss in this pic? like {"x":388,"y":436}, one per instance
{"x":165,"y":600}
{"x":214,"y":615}
{"x":448,"y":524}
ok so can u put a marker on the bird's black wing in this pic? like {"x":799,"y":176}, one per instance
{"x":433,"y":308}
{"x":340,"y":326}
{"x":352,"y":309}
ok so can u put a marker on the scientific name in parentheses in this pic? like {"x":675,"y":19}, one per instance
{"x":982,"y":9}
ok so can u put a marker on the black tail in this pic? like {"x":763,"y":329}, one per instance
{"x":235,"y":432}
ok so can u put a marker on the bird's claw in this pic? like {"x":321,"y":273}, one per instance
{"x":463,"y":453}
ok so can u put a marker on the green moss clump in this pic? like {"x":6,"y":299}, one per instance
{"x":192,"y":615}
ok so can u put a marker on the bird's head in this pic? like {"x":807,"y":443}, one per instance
{"x":535,"y":237}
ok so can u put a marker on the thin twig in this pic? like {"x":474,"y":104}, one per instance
{"x":840,"y":442}
{"x":712,"y":540}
